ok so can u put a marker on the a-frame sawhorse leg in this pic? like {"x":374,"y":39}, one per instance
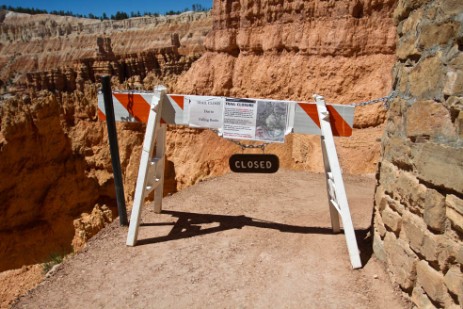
{"x":151,"y":170}
{"x":337,"y":197}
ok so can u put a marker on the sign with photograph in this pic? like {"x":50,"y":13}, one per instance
{"x":255,"y":120}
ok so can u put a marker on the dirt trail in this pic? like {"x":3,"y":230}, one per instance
{"x":238,"y":241}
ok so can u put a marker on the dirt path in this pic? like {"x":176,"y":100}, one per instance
{"x":239,"y":241}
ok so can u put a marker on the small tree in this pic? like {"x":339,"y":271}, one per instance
{"x":120,"y":16}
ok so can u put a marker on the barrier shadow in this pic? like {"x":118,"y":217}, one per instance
{"x":190,"y":224}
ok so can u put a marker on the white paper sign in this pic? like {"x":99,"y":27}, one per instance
{"x":255,"y":120}
{"x":239,"y":119}
{"x":206,"y":112}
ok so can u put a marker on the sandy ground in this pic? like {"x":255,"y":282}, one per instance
{"x":15,"y":282}
{"x":238,"y":241}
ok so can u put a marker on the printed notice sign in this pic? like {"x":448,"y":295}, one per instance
{"x":239,"y":119}
{"x":255,"y":120}
{"x":206,"y":112}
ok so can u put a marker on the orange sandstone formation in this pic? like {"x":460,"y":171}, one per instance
{"x":343,"y":50}
{"x":44,"y":42}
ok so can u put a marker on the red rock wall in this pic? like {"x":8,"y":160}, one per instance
{"x":44,"y":42}
{"x":54,"y":157}
{"x":343,"y":50}
{"x":54,"y":166}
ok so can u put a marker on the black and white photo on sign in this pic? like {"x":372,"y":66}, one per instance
{"x":255,"y":120}
{"x":271,"y":120}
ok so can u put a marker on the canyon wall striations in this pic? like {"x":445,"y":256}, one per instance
{"x":418,"y":222}
{"x":343,"y":50}
{"x":44,"y":183}
{"x":57,"y":188}
{"x":43,"y":42}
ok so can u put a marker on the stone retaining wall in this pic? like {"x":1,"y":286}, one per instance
{"x":418,"y":219}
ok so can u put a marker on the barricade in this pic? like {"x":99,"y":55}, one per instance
{"x":238,"y":119}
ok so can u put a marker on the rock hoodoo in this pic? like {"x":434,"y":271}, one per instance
{"x":161,"y":62}
{"x":41,"y":43}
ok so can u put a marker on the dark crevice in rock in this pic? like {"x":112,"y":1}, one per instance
{"x":435,"y":303}
{"x":454,"y":113}
{"x":460,"y":44}
{"x":357,"y":11}
{"x":440,"y":188}
{"x":235,"y":52}
{"x":412,"y":60}
{"x":454,"y":297}
{"x":258,"y":52}
{"x":407,"y":290}
{"x":419,"y":138}
{"x":403,"y":166}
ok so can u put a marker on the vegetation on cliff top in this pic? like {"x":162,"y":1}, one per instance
{"x":118,"y":16}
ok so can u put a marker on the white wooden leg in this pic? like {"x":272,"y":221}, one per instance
{"x":334,"y":215}
{"x":160,"y":153}
{"x":152,"y":128}
{"x":340,"y":201}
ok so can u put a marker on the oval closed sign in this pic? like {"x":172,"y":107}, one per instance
{"x":254,"y":163}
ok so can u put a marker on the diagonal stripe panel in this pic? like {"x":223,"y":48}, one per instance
{"x":101,"y":115}
{"x":172,"y":111}
{"x":135,"y":105}
{"x":341,"y":118}
{"x":311,"y":110}
{"x":179,"y":99}
{"x":347,"y":112}
{"x":338,"y":125}
{"x":120,"y":112}
{"x":304,"y":119}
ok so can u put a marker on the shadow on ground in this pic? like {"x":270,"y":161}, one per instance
{"x":190,"y":224}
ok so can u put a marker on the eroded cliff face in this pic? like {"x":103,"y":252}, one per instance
{"x":343,"y":50}
{"x":44,"y":42}
{"x":57,"y":185}
{"x":55,"y":166}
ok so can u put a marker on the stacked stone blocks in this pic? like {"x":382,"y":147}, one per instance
{"x":418,"y":221}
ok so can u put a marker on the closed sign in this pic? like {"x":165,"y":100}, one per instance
{"x":254,"y":163}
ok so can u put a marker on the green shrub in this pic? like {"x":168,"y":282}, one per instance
{"x":55,"y":259}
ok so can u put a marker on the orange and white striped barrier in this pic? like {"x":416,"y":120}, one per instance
{"x":306,"y":119}
{"x":158,"y":109}
{"x":134,"y":106}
